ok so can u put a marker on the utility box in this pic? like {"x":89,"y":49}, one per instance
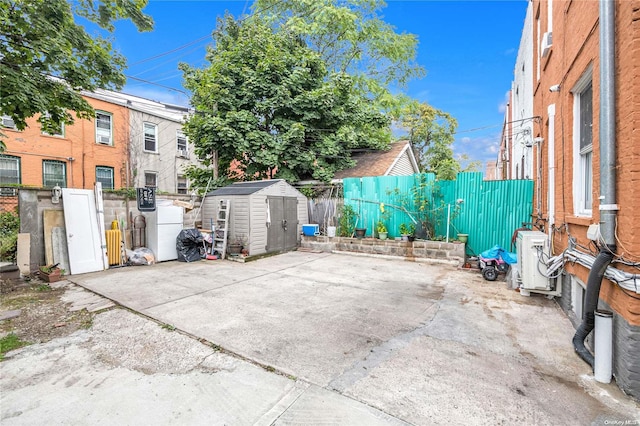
{"x":533,"y":251}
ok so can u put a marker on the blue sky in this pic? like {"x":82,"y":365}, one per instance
{"x":468,"y":48}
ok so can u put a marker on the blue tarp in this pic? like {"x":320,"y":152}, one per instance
{"x":498,"y":252}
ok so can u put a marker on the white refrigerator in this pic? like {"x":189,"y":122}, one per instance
{"x":163,"y":227}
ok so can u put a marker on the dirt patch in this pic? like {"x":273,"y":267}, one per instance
{"x":43,"y":316}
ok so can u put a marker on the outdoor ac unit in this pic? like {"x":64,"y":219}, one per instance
{"x":8,"y":123}
{"x":546,"y":43}
{"x":533,"y":250}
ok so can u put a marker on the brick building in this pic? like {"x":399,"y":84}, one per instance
{"x":132,"y":142}
{"x":76,"y":157}
{"x":585,"y":72}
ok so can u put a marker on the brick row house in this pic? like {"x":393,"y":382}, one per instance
{"x":578,"y":69}
{"x":132,"y":142}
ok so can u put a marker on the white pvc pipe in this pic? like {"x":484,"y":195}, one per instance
{"x":603,"y":336}
{"x":448,"y":219}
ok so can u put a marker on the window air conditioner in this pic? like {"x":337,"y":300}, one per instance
{"x":8,"y":123}
{"x":183,"y":153}
{"x":104,"y":140}
{"x":546,"y":43}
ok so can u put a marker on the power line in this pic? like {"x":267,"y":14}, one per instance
{"x":156,"y":84}
{"x":184,"y":46}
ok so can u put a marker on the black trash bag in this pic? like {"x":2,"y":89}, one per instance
{"x":189,"y":244}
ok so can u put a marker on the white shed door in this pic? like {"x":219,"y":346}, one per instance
{"x":81,"y":223}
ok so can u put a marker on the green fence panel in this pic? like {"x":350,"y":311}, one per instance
{"x":489,"y":211}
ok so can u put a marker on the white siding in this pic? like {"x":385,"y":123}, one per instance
{"x":522,"y":104}
{"x":258,"y":225}
{"x":403,"y":166}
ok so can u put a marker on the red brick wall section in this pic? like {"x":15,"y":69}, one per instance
{"x":78,"y":143}
{"x":575,"y":49}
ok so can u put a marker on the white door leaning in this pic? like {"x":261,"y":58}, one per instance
{"x":81,"y":223}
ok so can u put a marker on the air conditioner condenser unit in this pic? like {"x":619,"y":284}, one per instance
{"x":533,"y":251}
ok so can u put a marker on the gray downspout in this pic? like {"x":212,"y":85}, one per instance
{"x":607,"y":199}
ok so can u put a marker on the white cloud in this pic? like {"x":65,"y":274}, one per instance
{"x":502,"y":107}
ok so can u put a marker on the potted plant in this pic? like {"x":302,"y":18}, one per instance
{"x":382,"y":230}
{"x":407,"y":231}
{"x":51,"y":273}
{"x":235,"y":247}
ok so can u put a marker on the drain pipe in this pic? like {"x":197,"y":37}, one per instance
{"x":608,"y":206}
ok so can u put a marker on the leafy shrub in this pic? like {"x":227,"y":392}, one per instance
{"x":347,"y":221}
{"x":9,"y":228}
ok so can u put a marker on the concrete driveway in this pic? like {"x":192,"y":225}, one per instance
{"x":362,"y":340}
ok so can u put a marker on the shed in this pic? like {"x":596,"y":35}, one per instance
{"x":267,"y":215}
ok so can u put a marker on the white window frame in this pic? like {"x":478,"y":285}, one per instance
{"x":582,"y":158}
{"x":155,"y":178}
{"x":151,"y":126}
{"x":182,"y":148}
{"x":6,"y":161}
{"x":52,"y":163}
{"x":110,"y":169}
{"x":56,"y":135}
{"x":102,"y":137}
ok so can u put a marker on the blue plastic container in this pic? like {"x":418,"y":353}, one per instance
{"x":311,"y":230}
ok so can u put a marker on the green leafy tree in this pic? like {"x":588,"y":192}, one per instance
{"x":352,"y":37}
{"x":431,"y":131}
{"x":266,"y":106}
{"x":47,"y":58}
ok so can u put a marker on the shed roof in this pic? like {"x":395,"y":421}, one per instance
{"x":244,"y":188}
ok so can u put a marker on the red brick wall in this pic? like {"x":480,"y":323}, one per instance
{"x":575,"y":48}
{"x":78,"y":143}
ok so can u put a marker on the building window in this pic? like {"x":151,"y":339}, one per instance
{"x":104,"y":175}
{"x":181,"y":144}
{"x":8,"y":123}
{"x":182,"y":185}
{"x":54,"y":173}
{"x":58,"y":130}
{"x":9,"y":170}
{"x":104,"y":128}
{"x":583,"y":146}
{"x":150,"y":179}
{"x":150,"y":137}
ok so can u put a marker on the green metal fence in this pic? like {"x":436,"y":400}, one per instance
{"x":488,"y":211}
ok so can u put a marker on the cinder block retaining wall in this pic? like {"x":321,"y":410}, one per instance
{"x":436,"y":251}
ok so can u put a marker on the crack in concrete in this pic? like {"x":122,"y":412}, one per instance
{"x":379,"y":354}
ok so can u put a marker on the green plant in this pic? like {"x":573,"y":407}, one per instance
{"x":9,"y":343}
{"x":168,"y":327}
{"x":43,"y":287}
{"x":417,"y":204}
{"x":347,"y":221}
{"x":9,"y":228}
{"x":49,"y":269}
{"x":381,"y":227}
